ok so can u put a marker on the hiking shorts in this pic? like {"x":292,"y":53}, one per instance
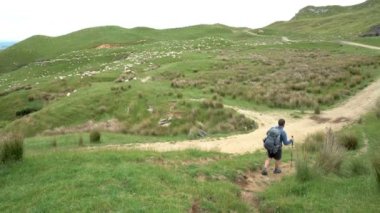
{"x":276,"y":156}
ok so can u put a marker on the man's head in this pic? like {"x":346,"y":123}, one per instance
{"x":281,"y":122}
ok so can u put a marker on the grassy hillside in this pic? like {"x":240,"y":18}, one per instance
{"x":351,"y":185}
{"x":331,"y":22}
{"x":144,"y":85}
{"x":63,"y":176}
{"x":183,"y":82}
{"x":130,"y":181}
{"x":39,"y":48}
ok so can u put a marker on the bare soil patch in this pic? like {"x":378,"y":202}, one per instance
{"x":106,"y":46}
{"x":252,"y":183}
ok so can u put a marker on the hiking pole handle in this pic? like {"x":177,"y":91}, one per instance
{"x":292,"y":141}
{"x":291,"y":154}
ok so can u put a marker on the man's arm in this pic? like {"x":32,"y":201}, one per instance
{"x":285,"y":138}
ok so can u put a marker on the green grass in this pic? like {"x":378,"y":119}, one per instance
{"x":123,"y":181}
{"x":238,"y":73}
{"x":332,"y":22}
{"x":68,"y":142}
{"x":74,"y":82}
{"x":374,"y":41}
{"x":327,"y":194}
{"x":353,"y":189}
{"x":40,"y":48}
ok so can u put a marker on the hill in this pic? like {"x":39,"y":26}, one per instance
{"x":84,"y":100}
{"x":39,"y":48}
{"x":332,"y":22}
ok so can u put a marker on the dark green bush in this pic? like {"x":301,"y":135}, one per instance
{"x":375,"y":160}
{"x":54,"y":143}
{"x":359,"y":166}
{"x":95,"y":136}
{"x":11,"y":148}
{"x":350,"y":141}
{"x":317,"y":110}
{"x":26,"y":111}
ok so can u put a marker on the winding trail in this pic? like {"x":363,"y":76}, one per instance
{"x":360,"y":45}
{"x":346,"y":113}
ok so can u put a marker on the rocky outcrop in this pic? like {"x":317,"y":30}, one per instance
{"x":374,"y":31}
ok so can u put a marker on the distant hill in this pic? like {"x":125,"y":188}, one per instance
{"x":40,"y":47}
{"x":6,"y":44}
{"x":331,"y":21}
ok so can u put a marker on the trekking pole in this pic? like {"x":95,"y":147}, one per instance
{"x":291,"y":155}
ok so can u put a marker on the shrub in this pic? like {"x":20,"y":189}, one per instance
{"x":102,"y":109}
{"x":330,"y":157}
{"x":31,"y":98}
{"x":375,"y":160}
{"x":378,"y":113}
{"x":54,"y":143}
{"x":317,"y":110}
{"x":349,"y":140}
{"x":314,"y":142}
{"x":11,"y":148}
{"x":95,"y":136}
{"x":359,"y":166}
{"x":26,"y":111}
{"x":80,"y":141}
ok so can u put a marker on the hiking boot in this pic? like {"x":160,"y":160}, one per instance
{"x":264,"y":172}
{"x":276,"y":171}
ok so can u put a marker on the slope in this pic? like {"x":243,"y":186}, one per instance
{"x":38,"y":48}
{"x":331,"y":22}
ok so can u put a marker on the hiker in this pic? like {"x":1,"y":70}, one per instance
{"x":273,"y":143}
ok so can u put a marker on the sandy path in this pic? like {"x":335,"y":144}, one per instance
{"x":335,"y":118}
{"x":360,"y":45}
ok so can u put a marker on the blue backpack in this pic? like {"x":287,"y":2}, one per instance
{"x":272,"y":142}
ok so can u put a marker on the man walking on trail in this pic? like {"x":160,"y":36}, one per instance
{"x":273,"y":144}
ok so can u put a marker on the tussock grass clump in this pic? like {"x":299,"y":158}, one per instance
{"x":317,"y":110}
{"x":54,"y":143}
{"x":330,"y":157}
{"x":378,"y":113}
{"x":359,"y":166}
{"x":11,"y":147}
{"x":376,"y":165}
{"x":303,"y":166}
{"x":80,"y":141}
{"x":212,"y":104}
{"x":313,"y":143}
{"x":349,"y":141}
{"x":375,"y":161}
{"x":377,"y":110}
{"x":95,"y":136}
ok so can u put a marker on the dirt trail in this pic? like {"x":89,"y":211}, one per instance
{"x":360,"y":45}
{"x":253,"y":182}
{"x":335,"y":118}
